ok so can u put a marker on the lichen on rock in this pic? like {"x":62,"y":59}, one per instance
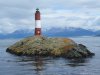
{"x":44,"y":46}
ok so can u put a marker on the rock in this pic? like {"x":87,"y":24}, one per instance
{"x":55,"y":47}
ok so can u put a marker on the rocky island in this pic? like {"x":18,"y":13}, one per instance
{"x":54,"y":47}
{"x":39,"y":45}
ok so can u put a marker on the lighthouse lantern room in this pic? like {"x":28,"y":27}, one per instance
{"x":37,"y":22}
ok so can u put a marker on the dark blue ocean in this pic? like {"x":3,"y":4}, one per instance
{"x":16,"y":65}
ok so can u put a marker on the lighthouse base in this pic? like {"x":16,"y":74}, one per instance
{"x":37,"y":31}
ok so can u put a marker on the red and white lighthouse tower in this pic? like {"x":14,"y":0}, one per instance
{"x":37,"y":22}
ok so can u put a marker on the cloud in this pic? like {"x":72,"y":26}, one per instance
{"x":19,"y":14}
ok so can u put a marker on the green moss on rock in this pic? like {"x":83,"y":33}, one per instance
{"x":43,"y":46}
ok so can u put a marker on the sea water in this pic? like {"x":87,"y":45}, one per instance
{"x":21,"y":65}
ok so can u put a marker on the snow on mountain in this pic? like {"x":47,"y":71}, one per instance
{"x":54,"y":32}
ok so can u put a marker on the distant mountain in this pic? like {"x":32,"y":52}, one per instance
{"x":17,"y":34}
{"x":98,"y":35}
{"x":54,"y":32}
{"x":69,"y":32}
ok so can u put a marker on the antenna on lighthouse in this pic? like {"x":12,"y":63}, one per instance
{"x":37,"y":9}
{"x":37,"y":22}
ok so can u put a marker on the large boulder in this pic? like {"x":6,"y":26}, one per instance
{"x":55,"y":47}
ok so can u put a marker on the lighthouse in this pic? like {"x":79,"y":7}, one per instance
{"x":37,"y":22}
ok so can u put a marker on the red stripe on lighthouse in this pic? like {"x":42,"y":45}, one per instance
{"x":37,"y":31}
{"x":37,"y":15}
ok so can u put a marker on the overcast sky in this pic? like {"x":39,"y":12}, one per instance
{"x":19,"y":14}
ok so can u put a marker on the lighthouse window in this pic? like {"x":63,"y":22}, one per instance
{"x":38,"y":31}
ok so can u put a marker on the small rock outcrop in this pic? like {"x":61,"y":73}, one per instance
{"x":55,"y":47}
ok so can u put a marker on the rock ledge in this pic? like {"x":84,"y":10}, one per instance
{"x":55,"y":47}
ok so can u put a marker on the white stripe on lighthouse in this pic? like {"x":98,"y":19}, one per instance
{"x":37,"y":23}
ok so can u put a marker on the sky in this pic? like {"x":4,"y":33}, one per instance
{"x":19,"y":14}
